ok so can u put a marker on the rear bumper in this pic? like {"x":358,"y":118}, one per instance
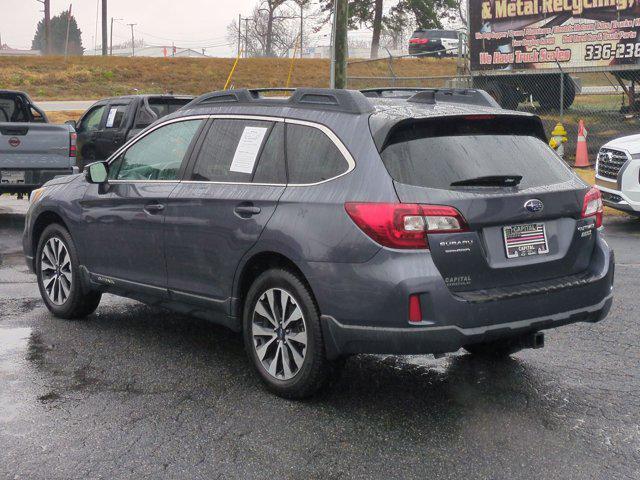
{"x":365,"y":307}
{"x":33,"y":178}
{"x":426,"y":48}
{"x":344,"y":339}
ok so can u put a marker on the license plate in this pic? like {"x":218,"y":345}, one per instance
{"x":12,"y":176}
{"x":525,"y":240}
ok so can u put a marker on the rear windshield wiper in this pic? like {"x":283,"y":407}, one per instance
{"x":489,"y":181}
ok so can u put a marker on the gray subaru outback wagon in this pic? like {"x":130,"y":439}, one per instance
{"x":328,"y":223}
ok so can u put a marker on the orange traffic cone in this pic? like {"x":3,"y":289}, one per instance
{"x":582,"y":156}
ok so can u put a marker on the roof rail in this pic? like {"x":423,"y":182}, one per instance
{"x":346,"y":101}
{"x":468,"y":96}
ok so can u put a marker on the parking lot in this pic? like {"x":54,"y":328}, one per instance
{"x":139,"y":392}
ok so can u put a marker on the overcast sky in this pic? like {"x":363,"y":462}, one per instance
{"x":188,"y":23}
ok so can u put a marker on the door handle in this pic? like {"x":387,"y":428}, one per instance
{"x":153,"y":208}
{"x":246,"y":211}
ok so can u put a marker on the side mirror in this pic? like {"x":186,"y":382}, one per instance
{"x":96,"y":172}
{"x":72,"y":123}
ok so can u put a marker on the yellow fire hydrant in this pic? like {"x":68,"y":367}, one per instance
{"x":558,"y":139}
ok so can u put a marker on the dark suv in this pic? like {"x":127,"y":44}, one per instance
{"x":330,"y":223}
{"x":434,"y":42}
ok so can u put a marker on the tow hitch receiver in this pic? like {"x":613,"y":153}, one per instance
{"x":533,"y":340}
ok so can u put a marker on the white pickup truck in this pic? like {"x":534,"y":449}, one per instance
{"x":32,"y":151}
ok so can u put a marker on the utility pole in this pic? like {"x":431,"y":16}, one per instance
{"x":239,"y":35}
{"x":332,"y":48}
{"x":246,"y":37}
{"x":301,"y":26}
{"x":105,"y":40}
{"x":340,"y":43}
{"x":47,"y":26}
{"x":133,"y":40}
{"x":66,"y":42}
{"x":111,"y":43}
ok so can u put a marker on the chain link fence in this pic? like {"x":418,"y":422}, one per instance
{"x":603,"y":101}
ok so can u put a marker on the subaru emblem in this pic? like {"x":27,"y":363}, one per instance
{"x":534,"y":205}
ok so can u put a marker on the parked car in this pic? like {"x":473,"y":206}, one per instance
{"x":440,"y":42}
{"x":109,"y":123}
{"x":32,"y":151}
{"x":332,"y":223}
{"x":618,"y":174}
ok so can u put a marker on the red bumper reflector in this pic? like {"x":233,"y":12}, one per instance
{"x":415,"y":309}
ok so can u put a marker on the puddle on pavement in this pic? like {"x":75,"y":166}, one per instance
{"x":14,"y":345}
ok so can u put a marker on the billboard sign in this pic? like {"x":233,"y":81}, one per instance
{"x":540,"y":34}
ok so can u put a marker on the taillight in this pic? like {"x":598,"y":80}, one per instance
{"x":419,"y":40}
{"x":73,"y":149}
{"x":592,"y":206}
{"x":404,"y":225}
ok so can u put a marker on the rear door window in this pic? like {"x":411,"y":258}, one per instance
{"x":312,"y":156}
{"x":437,"y":154}
{"x":242,"y":151}
{"x":116,"y":116}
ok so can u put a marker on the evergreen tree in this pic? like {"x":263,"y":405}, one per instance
{"x":58,"y":36}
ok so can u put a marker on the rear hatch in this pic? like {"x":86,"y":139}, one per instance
{"x":431,"y":39}
{"x":523,"y":206}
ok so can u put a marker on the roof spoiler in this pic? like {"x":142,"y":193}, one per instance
{"x":337,"y":100}
{"x":467,"y":96}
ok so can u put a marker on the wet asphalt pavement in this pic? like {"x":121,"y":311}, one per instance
{"x":138,"y":392}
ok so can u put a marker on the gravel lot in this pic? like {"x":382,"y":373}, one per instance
{"x":138,"y":392}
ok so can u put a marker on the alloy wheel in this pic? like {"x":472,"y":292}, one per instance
{"x":279,"y":333}
{"x":56,"y":270}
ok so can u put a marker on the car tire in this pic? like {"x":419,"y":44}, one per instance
{"x":495,"y":349}
{"x":286,"y":349}
{"x":58,"y":274}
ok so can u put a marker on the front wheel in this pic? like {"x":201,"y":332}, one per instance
{"x":282,"y":335}
{"x":58,"y":272}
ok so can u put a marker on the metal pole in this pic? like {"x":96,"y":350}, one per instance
{"x":561,"y":95}
{"x":133,"y":40}
{"x":341,"y":22}
{"x":111,"y":43}
{"x":332,"y":47}
{"x":301,"y":27}
{"x":561,"y":91}
{"x":246,"y":38}
{"x":239,"y":35}
{"x":66,"y":42}
{"x":105,"y":40}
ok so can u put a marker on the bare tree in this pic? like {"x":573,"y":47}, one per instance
{"x":462,"y":11}
{"x":268,"y":33}
{"x":377,"y":28}
{"x":270,"y":7}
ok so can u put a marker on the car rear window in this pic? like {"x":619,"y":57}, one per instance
{"x":165,"y":106}
{"x":436,"y":154}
